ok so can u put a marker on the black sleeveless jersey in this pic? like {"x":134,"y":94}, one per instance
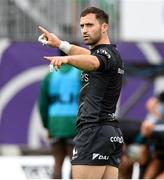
{"x":100,"y":89}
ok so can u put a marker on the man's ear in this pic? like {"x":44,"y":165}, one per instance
{"x":105,"y":27}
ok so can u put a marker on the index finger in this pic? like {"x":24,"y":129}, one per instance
{"x":49,"y":58}
{"x":43,"y":30}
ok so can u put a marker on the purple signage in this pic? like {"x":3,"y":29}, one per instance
{"x":22,"y":68}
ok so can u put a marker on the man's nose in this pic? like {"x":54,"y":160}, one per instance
{"x":85,"y":30}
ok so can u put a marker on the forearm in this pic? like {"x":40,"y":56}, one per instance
{"x":53,"y":41}
{"x":84,"y":62}
{"x":71,"y":49}
{"x":77,"y":50}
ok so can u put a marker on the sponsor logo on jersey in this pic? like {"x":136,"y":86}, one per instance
{"x":99,"y":156}
{"x":117,"y":139}
{"x":85,"y":77}
{"x":75,"y":152}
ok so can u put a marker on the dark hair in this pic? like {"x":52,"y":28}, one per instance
{"x":101,"y":16}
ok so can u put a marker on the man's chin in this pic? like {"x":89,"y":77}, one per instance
{"x":85,"y":41}
{"x":88,"y":43}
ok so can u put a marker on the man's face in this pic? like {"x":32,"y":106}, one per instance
{"x":90,"y":29}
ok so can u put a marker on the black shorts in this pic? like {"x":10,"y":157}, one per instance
{"x":100,"y":145}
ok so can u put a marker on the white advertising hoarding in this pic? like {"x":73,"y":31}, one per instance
{"x":30,"y":167}
{"x":142,"y":20}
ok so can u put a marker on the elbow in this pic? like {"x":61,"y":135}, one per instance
{"x":95,"y":65}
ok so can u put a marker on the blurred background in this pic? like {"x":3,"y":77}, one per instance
{"x":136,"y":27}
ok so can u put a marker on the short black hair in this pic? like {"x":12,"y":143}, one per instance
{"x":101,"y":16}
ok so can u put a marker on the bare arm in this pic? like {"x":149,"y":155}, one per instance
{"x":83,"y":62}
{"x":54,"y":41}
{"x":77,"y":50}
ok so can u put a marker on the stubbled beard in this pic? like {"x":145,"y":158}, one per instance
{"x":94,"y":41}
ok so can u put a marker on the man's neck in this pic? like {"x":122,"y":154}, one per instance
{"x":102,"y":41}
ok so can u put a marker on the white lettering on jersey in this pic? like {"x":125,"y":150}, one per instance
{"x":103,"y":51}
{"x":99,"y":156}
